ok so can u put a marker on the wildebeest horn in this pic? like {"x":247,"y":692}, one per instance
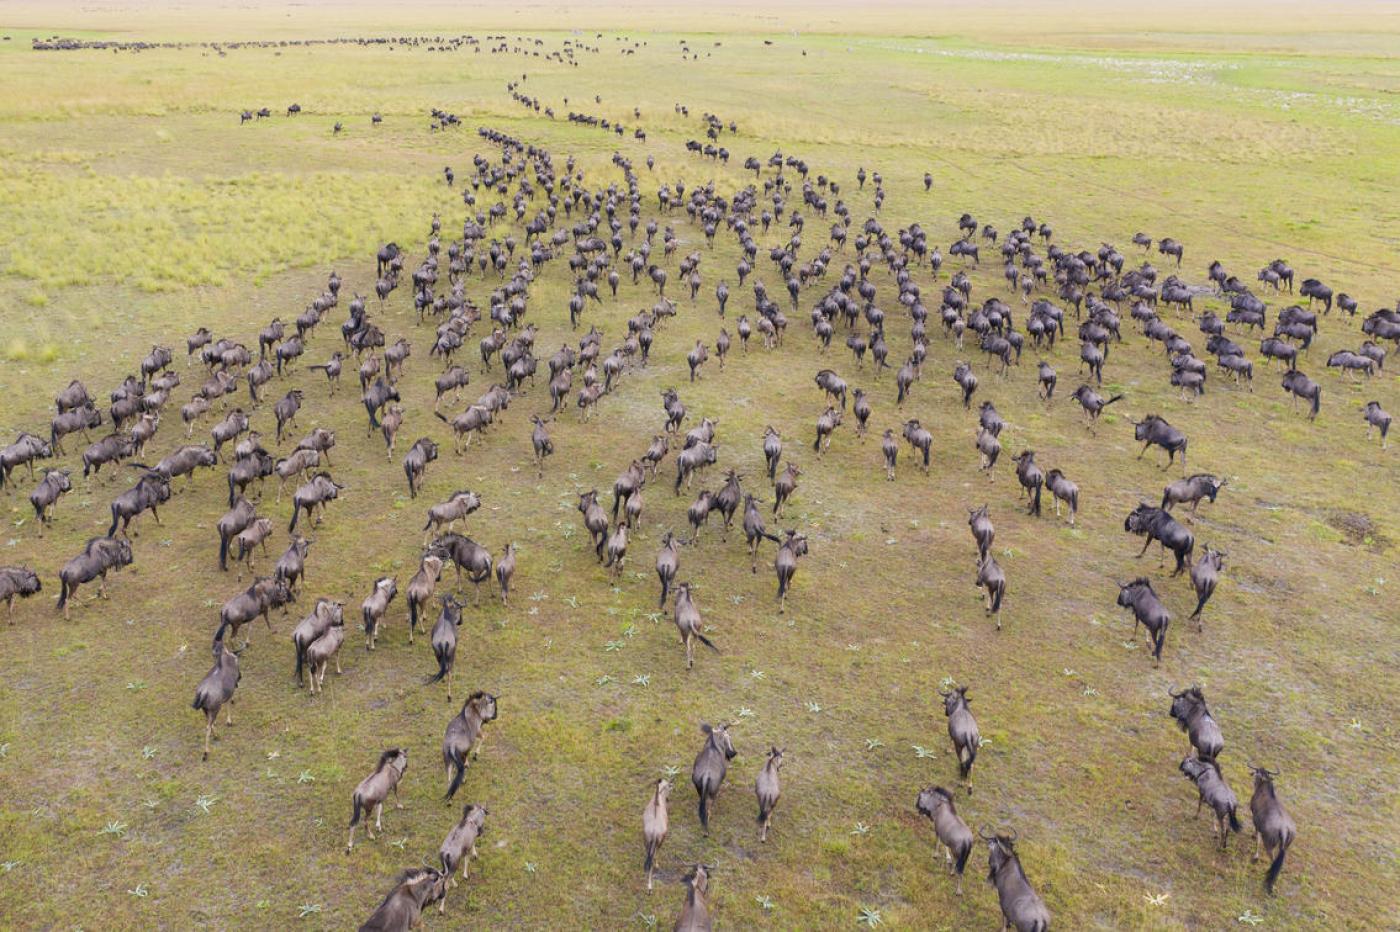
{"x":983,"y":832}
{"x":1014,"y":835}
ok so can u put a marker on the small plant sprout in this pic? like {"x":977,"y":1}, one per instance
{"x":603,"y":680}
{"x":614,"y":645}
{"x":648,"y":920}
{"x":4,"y":750}
{"x":151,"y":803}
{"x":273,"y":755}
{"x":921,"y":752}
{"x":869,"y":916}
{"x":538,"y":596}
{"x":744,"y":712}
{"x":813,"y":707}
{"x":138,"y":891}
{"x":1356,"y":725}
{"x":206,"y":801}
{"x":136,"y":685}
{"x":1156,"y":899}
{"x":670,"y":772}
{"x":1249,"y":918}
{"x":309,"y":909}
{"x":531,"y":867}
{"x":653,"y":617}
{"x":400,"y":844}
{"x":571,"y":601}
{"x":7,"y":866}
{"x":148,"y":752}
{"x":114,"y":828}
{"x":757,"y":674}
{"x":641,"y":679}
{"x":764,"y":902}
{"x":737,"y":599}
{"x":873,"y":743}
{"x":860,"y":829}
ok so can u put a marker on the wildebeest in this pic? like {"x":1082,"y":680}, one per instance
{"x":78,"y":420}
{"x":1154,"y":430}
{"x":375,"y":605}
{"x":465,"y":735}
{"x":1063,"y":490}
{"x":415,"y":463}
{"x":982,"y":531}
{"x":1298,"y":385}
{"x":318,"y":653}
{"x":1158,"y":524}
{"x":312,"y":627}
{"x":313,"y":495}
{"x":150,"y":492}
{"x":991,"y":579}
{"x":1273,"y":827}
{"x":936,"y":803}
{"x":688,"y":622}
{"x":444,"y":641}
{"x":1376,"y":418}
{"x":415,"y":889}
{"x":1192,"y":489}
{"x":1191,"y":715}
{"x":100,"y":556}
{"x":962,"y":729}
{"x":711,"y":764}
{"x":768,"y":788}
{"x":17,"y":582}
{"x":656,"y":824}
{"x":1213,"y":791}
{"x":459,"y":847}
{"x":1139,"y":597}
{"x":216,"y":690}
{"x":794,"y":545}
{"x":23,"y":452}
{"x":1093,"y":403}
{"x":1205,"y":574}
{"x":1021,"y":906}
{"x":265,"y":594}
{"x":368,"y":798}
{"x":695,"y":914}
{"x":505,"y":569}
{"x":1029,"y":474}
{"x":46,"y":494}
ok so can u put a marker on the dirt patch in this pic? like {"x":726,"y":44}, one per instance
{"x":1358,"y":530}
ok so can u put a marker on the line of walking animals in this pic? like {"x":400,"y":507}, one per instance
{"x":136,"y":408}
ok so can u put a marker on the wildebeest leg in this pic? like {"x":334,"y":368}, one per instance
{"x":208,"y":731}
{"x":1144,"y":450}
{"x":1145,"y":545}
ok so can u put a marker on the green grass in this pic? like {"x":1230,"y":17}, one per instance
{"x":134,"y":209}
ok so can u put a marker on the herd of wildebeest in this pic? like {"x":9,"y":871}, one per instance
{"x":527,"y":216}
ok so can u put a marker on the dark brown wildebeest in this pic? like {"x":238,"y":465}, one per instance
{"x":312,"y":627}
{"x":1191,"y":715}
{"x":1273,"y":827}
{"x":415,"y":464}
{"x":1192,"y":489}
{"x":1140,"y":599}
{"x":1376,"y":419}
{"x":415,"y":889}
{"x":991,"y":579}
{"x":100,"y":556}
{"x":505,"y":569}
{"x":695,"y":914}
{"x":962,"y":729}
{"x":687,"y":618}
{"x":1158,"y":524}
{"x":46,"y":494}
{"x":216,"y":690}
{"x":150,"y":492}
{"x":265,"y":594}
{"x":1021,"y":906}
{"x":1154,"y":430}
{"x":1031,"y":479}
{"x":794,"y":545}
{"x":459,"y":847}
{"x":953,"y":834}
{"x":312,"y":495}
{"x":376,"y":605}
{"x":890,"y":448}
{"x":444,"y":641}
{"x":711,"y":765}
{"x":1214,"y":792}
{"x":465,"y":735}
{"x":17,"y":582}
{"x":23,"y":452}
{"x":982,"y":531}
{"x":1063,"y":490}
{"x":369,"y":796}
{"x":1205,"y":574}
{"x":1093,"y":404}
{"x":1299,"y":385}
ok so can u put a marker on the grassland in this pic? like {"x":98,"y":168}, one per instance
{"x":134,"y":208}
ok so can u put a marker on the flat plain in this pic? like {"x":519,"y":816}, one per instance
{"x":135,"y":208}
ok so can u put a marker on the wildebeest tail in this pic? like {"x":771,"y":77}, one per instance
{"x":413,"y":614}
{"x":963,"y":854}
{"x":817,"y":444}
{"x":442,"y":669}
{"x":1205,"y":597}
{"x":1274,"y":868}
{"x":1234,"y":821}
{"x":651,"y":856}
{"x":704,"y":806}
{"x":1316,"y":401}
{"x":707,"y":642}
{"x":371,"y":622}
{"x":965,"y":767}
{"x":996,"y":597}
{"x":459,"y":765}
{"x":296,"y":513}
{"x":1035,"y":505}
{"x":355,"y":806}
{"x":1112,"y":400}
